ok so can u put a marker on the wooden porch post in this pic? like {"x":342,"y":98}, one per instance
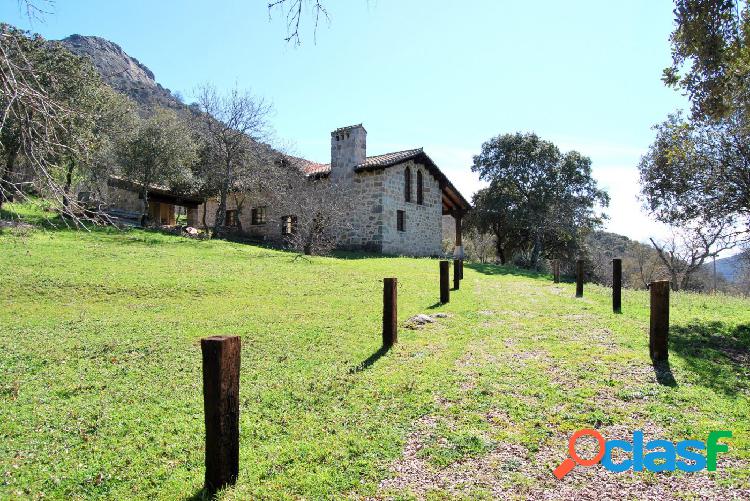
{"x":458,"y":252}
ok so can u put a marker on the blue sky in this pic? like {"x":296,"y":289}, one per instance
{"x":445,"y":75}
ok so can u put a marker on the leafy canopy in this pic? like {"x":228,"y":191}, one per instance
{"x":538,"y":197}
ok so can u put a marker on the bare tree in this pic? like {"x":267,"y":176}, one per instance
{"x":685,"y":252}
{"x":315,"y":209}
{"x":480,"y":246}
{"x":31,"y":115}
{"x":36,"y":10}
{"x":645,"y":263}
{"x":293,"y":12}
{"x":54,"y":116}
{"x":233,"y":127}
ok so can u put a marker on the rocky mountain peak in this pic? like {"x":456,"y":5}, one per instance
{"x":122,"y":72}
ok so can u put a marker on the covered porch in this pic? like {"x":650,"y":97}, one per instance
{"x":456,"y":206}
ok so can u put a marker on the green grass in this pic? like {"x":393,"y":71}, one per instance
{"x":100,"y":375}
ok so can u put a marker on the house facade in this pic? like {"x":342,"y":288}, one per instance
{"x":397,"y":200}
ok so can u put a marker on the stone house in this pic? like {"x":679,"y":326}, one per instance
{"x":399,"y":200}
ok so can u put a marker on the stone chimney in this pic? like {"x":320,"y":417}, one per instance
{"x":348,"y":149}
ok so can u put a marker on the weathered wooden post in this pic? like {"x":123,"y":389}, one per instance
{"x":659,"y":329}
{"x":556,"y":270}
{"x":579,"y":278}
{"x":456,"y":274}
{"x":390,"y":309}
{"x":221,"y":406}
{"x":444,"y":292}
{"x":617,"y":285}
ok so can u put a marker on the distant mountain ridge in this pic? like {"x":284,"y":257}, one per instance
{"x":122,"y":72}
{"x":731,"y":267}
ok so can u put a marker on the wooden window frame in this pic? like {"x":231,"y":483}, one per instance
{"x":291,"y":222}
{"x":230,"y":222}
{"x":259,"y":216}
{"x":400,"y":220}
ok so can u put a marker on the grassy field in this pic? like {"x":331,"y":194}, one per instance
{"x":100,"y":375}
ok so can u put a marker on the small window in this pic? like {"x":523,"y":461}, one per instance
{"x":407,"y":185}
{"x":400,"y":220}
{"x":230,"y":218}
{"x":288,"y":225}
{"x":258,"y":215}
{"x":420,"y":195}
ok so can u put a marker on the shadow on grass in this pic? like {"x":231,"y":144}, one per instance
{"x":664,"y":375}
{"x":199,"y":495}
{"x":345,"y":254}
{"x":496,"y":269}
{"x":369,"y":361}
{"x":718,"y":353}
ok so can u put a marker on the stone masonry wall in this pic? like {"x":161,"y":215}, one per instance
{"x":270,"y":231}
{"x":375,"y":197}
{"x":423,"y":223}
{"x":365,"y":221}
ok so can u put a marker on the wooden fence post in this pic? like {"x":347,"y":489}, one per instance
{"x":390,"y":309}
{"x":556,"y":271}
{"x":659,"y":329}
{"x":579,"y":278}
{"x":221,"y":406}
{"x":444,"y":291}
{"x":617,"y":285}
{"x":456,"y":274}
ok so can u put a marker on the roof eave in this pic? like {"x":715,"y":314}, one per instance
{"x":459,"y":202}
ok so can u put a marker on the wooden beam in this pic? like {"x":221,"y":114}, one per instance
{"x":221,"y":405}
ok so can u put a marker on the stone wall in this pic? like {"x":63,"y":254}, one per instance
{"x":423,"y":223}
{"x":374,"y":199}
{"x":269,"y":231}
{"x":365,"y":221}
{"x":123,"y":199}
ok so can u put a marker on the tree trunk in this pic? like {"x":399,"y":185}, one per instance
{"x":6,"y":195}
{"x":499,"y":249}
{"x":68,"y":183}
{"x":144,"y":205}
{"x":221,"y":211}
{"x":205,"y":208}
{"x":223,"y":194}
{"x":536,"y":251}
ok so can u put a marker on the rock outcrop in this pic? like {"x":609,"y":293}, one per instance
{"x":122,"y":72}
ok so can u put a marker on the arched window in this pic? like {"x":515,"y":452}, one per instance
{"x":420,"y":196}
{"x":407,"y":185}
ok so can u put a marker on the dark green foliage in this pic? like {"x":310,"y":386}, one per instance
{"x":698,"y":171}
{"x":540,"y":202}
{"x":711,"y":39}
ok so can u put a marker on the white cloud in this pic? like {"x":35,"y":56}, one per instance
{"x":626,"y":215}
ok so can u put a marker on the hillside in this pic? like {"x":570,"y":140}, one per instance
{"x":122,"y":72}
{"x":731,"y":267}
{"x":100,"y":375}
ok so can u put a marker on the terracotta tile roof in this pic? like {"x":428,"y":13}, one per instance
{"x":452,"y":198}
{"x":308,"y":166}
{"x":314,"y":168}
{"x":388,"y":159}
